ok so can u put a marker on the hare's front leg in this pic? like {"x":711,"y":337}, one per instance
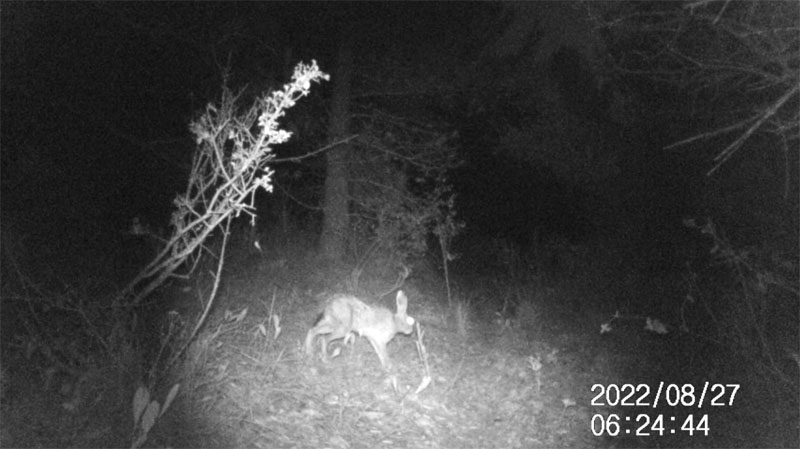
{"x":383,"y":355}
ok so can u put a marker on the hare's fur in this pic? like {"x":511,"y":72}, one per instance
{"x":345,"y":314}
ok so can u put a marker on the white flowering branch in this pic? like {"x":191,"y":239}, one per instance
{"x":231,"y":163}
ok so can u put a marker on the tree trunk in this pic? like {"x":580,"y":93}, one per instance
{"x":335,"y":203}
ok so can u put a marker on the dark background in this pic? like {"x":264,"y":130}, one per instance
{"x":97,"y":97}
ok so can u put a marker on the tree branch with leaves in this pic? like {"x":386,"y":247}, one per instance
{"x":231,"y":163}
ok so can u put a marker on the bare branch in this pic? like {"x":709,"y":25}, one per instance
{"x":229,"y":166}
{"x":765,"y":115}
{"x":727,"y":54}
{"x":315,"y":152}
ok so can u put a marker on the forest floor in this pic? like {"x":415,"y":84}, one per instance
{"x":539,"y":375}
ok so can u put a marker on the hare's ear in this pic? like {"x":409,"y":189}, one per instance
{"x":402,"y":302}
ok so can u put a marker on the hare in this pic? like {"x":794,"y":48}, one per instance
{"x":346,"y":314}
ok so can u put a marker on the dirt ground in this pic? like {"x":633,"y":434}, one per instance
{"x":540,"y":376}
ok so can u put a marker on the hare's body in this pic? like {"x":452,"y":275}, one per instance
{"x":346,"y":314}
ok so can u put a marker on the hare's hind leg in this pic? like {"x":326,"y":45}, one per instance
{"x":309,"y":344}
{"x":339,"y":332}
{"x":323,"y":327}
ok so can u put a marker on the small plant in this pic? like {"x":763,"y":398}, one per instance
{"x":446,"y":228}
{"x":146,"y":412}
{"x":651,"y":324}
{"x":461,"y":311}
{"x":423,"y":355}
{"x":274,"y":319}
{"x":759,"y":313}
{"x":535,"y":362}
